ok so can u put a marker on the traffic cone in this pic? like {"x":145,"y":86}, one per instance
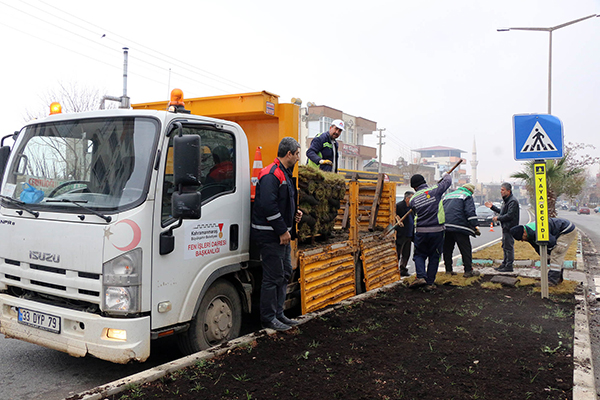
{"x":256,"y":167}
{"x":491,"y":227}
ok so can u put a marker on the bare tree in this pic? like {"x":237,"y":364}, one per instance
{"x":73,"y":98}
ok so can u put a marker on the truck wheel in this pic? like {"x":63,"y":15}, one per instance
{"x":218,"y":320}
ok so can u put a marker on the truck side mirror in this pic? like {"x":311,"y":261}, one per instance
{"x":4,"y":154}
{"x":186,"y":205}
{"x":186,"y":201}
{"x":186,"y":160}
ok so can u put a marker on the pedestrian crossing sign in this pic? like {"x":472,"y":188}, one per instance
{"x":537,"y":136}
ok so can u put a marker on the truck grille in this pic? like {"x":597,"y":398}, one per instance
{"x":51,"y":282}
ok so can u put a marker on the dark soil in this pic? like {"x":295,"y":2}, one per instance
{"x":453,"y":343}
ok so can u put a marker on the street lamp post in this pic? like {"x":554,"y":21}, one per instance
{"x":549,"y":30}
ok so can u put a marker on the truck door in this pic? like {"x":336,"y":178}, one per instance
{"x":207,"y":247}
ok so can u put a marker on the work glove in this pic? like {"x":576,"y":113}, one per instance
{"x":477,"y":232}
{"x":327,"y":162}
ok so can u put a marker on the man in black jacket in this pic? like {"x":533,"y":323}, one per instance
{"x":323,"y":151}
{"x":273,"y":216}
{"x":509,"y":217}
{"x":404,"y":233}
{"x":561,"y":234}
{"x":461,"y":222}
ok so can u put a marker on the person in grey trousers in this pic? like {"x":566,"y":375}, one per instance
{"x":509,"y":218}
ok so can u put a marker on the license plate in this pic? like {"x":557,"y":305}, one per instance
{"x":47,"y":322}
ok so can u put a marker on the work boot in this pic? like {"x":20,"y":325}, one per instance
{"x":404,"y":272}
{"x":287,"y":321}
{"x":418,"y":283}
{"x":470,"y":274}
{"x":276,"y":325}
{"x":504,"y":269}
{"x":429,"y":288}
{"x":450,"y":273}
{"x":554,"y":277}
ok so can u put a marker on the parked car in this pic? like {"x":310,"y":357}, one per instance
{"x":597,"y":209}
{"x":485,"y":215}
{"x":583,"y":210}
{"x":573,"y":208}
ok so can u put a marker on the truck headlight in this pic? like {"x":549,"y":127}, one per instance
{"x":121,"y":279}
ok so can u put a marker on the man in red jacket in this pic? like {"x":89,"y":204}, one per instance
{"x":273,"y":216}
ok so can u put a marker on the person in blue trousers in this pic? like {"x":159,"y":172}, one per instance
{"x":429,"y":228}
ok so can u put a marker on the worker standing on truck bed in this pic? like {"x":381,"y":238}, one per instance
{"x":429,"y":227}
{"x":272,"y":219}
{"x":323,"y":150}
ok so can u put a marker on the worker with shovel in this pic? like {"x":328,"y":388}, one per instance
{"x":429,"y":228}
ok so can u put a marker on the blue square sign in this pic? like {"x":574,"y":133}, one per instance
{"x":537,"y":136}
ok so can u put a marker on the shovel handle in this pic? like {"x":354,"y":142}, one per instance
{"x":453,"y":168}
{"x":404,"y":217}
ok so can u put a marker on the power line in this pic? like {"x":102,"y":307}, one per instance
{"x":168,"y":60}
{"x":80,"y":53}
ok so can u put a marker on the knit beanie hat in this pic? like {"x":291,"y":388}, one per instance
{"x":416,"y":181}
{"x":517,"y":232}
{"x":470,"y":187}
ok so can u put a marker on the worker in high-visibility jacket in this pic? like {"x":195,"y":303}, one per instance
{"x":323,"y":150}
{"x":561,"y":234}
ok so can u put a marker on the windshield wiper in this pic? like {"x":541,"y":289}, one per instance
{"x":21,"y":205}
{"x":107,"y":218}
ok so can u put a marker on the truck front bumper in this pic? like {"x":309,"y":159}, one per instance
{"x":81,"y":333}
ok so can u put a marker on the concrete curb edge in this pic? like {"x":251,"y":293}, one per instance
{"x":584,"y":381}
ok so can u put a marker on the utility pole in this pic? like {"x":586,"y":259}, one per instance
{"x":380,"y":136}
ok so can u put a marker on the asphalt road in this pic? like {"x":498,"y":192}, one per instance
{"x":33,"y":372}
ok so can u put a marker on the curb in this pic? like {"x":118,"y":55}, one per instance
{"x":584,"y":387}
{"x":584,"y":381}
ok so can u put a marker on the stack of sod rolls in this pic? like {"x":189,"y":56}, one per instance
{"x":319,"y":195}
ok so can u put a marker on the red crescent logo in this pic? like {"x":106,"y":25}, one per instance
{"x":137,"y":235}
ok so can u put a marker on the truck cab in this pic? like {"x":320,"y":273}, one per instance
{"x":96,"y":258}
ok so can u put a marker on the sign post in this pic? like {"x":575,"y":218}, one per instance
{"x":541,"y":224}
{"x":539,"y":137}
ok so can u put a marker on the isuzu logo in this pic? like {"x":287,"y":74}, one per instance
{"x":38,"y":255}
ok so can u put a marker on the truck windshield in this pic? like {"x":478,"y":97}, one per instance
{"x":103,"y":164}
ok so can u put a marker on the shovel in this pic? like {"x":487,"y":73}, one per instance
{"x":391,"y":227}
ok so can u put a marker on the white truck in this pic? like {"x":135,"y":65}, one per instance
{"x":118,"y":227}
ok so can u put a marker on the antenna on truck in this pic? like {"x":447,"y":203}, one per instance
{"x":124,"y":100}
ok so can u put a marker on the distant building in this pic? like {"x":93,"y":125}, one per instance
{"x":443,"y":159}
{"x":353,"y":153}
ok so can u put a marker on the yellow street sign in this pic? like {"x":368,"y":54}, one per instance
{"x":541,"y":202}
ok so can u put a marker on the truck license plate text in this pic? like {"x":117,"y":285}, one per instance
{"x":39,"y":320}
